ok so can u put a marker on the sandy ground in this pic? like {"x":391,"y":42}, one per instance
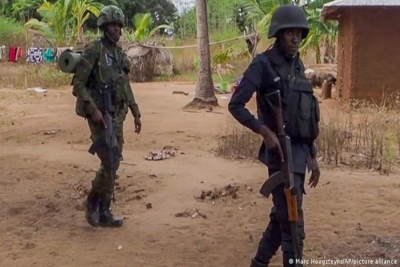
{"x":45,"y":165}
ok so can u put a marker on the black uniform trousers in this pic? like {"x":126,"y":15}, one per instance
{"x":278,"y":232}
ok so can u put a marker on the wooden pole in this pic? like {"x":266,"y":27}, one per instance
{"x":26,"y":61}
{"x":326,"y":90}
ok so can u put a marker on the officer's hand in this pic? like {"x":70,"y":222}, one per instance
{"x":315,"y":173}
{"x":138,"y":125}
{"x":97,"y":117}
{"x":271,"y":141}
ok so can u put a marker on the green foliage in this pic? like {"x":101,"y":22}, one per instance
{"x":63,"y":23}
{"x":230,"y":54}
{"x":11,"y":33}
{"x":222,"y":17}
{"x":44,"y":75}
{"x":261,"y":12}
{"x":196,"y":62}
{"x":23,"y":10}
{"x":144,"y":28}
{"x":62,"y":20}
{"x":162,"y":11}
{"x":320,"y":32}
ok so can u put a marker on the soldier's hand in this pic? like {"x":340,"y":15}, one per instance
{"x":271,"y":141}
{"x":138,"y":125}
{"x":315,"y":172}
{"x":97,"y":117}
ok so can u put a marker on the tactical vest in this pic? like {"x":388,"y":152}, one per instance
{"x":300,"y":107}
{"x":110,"y":69}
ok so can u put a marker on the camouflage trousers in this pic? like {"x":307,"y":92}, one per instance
{"x":102,"y":183}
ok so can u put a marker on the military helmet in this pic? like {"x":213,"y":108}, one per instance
{"x":110,"y":14}
{"x":288,"y":16}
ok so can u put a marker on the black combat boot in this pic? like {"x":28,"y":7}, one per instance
{"x":106,"y":218}
{"x":255,"y":263}
{"x":91,"y":213}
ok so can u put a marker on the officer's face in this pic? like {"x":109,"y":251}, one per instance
{"x":291,"y":39}
{"x":114,"y":31}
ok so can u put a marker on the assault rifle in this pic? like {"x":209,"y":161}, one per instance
{"x":284,"y":176}
{"x":106,"y":146}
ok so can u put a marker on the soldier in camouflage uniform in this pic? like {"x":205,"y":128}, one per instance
{"x":103,"y":62}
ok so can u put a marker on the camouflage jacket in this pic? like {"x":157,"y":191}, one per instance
{"x":101,"y":65}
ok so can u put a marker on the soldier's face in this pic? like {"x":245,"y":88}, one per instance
{"x":291,"y":39}
{"x":113,"y":30}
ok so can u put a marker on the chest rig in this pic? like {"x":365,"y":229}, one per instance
{"x":300,"y":107}
{"x":109,"y":71}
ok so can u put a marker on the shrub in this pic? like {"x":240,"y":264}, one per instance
{"x":11,"y":33}
{"x":359,"y":134}
{"x":43,"y":75}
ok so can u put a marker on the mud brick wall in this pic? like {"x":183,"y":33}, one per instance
{"x":369,"y":41}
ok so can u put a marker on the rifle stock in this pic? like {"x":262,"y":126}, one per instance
{"x":285,"y":176}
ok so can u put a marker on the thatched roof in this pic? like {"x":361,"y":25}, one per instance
{"x":36,"y":39}
{"x":148,"y":61}
{"x":318,"y":73}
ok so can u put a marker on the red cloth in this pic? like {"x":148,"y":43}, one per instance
{"x":12,"y":53}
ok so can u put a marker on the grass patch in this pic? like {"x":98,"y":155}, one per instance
{"x":361,"y":134}
{"x":12,"y":33}
{"x":40,"y":75}
{"x":358,"y":134}
{"x":238,"y":142}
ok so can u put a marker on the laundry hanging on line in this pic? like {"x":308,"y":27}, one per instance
{"x":36,"y":54}
{"x":2,"y":51}
{"x":33,"y":54}
{"x":14,"y":53}
{"x":49,"y":55}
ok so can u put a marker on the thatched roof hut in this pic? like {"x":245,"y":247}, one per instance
{"x":148,"y":61}
{"x":318,"y":73}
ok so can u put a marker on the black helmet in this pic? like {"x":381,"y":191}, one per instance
{"x":288,"y":16}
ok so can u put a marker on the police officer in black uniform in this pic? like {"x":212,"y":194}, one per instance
{"x":280,"y":68}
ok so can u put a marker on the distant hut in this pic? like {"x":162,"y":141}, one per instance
{"x":368,"y":43}
{"x":148,"y":61}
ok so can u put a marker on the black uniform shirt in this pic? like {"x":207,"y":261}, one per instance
{"x":254,"y":81}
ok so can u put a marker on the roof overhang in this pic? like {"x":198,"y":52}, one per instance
{"x":332,"y":10}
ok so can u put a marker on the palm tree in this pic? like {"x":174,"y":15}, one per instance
{"x":81,"y":12}
{"x":63,"y":20}
{"x":320,"y":32}
{"x":261,"y":11}
{"x":144,"y":30}
{"x":204,"y":91}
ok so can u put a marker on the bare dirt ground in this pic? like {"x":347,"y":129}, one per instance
{"x":45,"y":167}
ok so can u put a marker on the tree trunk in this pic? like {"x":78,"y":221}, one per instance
{"x":80,"y":37}
{"x":326,"y":90}
{"x":204,"y":91}
{"x":318,"y":54}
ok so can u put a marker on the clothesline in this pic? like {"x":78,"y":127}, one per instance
{"x":195,"y":45}
{"x":37,"y":54}
{"x":33,"y":54}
